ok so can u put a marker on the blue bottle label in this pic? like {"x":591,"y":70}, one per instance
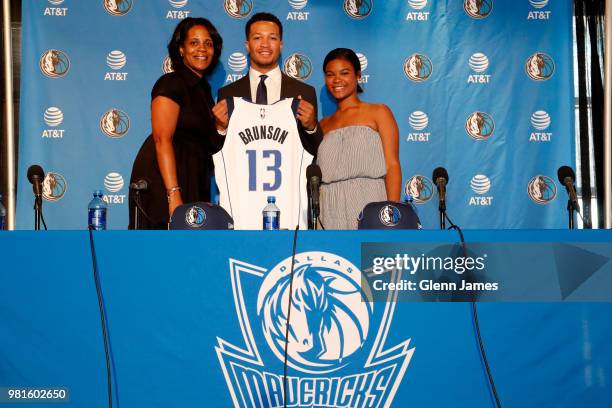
{"x":271,"y":221}
{"x":97,"y":218}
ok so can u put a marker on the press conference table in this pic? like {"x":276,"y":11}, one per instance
{"x":190,"y":325}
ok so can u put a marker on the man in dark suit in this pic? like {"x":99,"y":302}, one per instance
{"x":265,"y":83}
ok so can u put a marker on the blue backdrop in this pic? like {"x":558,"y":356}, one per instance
{"x":484,"y":91}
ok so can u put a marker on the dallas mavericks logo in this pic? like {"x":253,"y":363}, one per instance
{"x":238,"y":8}
{"x":480,"y":125}
{"x":113,"y":182}
{"x":336,"y":341}
{"x":418,"y":67}
{"x":389,"y":215}
{"x":117,"y":7}
{"x":167,"y":65}
{"x":54,"y":63}
{"x":54,"y":186}
{"x":420,"y":188}
{"x":298,"y":66}
{"x":539,"y":67}
{"x":478,"y":8}
{"x":115,"y":123}
{"x":358,"y":8}
{"x":542,"y":189}
{"x":195,"y":217}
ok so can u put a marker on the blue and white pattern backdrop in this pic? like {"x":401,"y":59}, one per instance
{"x":483,"y":88}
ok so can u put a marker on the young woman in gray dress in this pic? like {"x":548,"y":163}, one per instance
{"x":359,"y":153}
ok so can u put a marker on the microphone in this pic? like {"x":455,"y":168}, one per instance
{"x":139,"y":185}
{"x":567,"y":177}
{"x":36,"y":175}
{"x":313,"y":174}
{"x":440,"y":178}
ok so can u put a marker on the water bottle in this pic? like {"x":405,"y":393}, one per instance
{"x":2,"y":215}
{"x":97,"y":212}
{"x":271,"y":215}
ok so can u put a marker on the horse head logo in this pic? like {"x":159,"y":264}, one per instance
{"x":542,"y":189}
{"x":329,"y":320}
{"x":390,"y":215}
{"x":54,"y":63}
{"x":478,"y":8}
{"x":480,"y":125}
{"x":115,"y":123}
{"x":298,"y":66}
{"x":420,"y":188}
{"x":238,"y":8}
{"x":539,"y":67}
{"x":195,"y":217}
{"x":117,"y":7}
{"x":358,"y":8}
{"x":418,"y":67}
{"x":54,"y":186}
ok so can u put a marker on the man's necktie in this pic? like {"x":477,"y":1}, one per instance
{"x":262,"y":91}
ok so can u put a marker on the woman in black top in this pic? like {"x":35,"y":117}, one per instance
{"x":175,"y":159}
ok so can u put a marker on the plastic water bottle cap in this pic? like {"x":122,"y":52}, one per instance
{"x":271,"y":199}
{"x":98,"y":193}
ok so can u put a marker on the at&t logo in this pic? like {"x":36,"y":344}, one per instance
{"x":54,"y":63}
{"x":176,"y":13}
{"x":54,"y":187}
{"x":417,"y":15}
{"x":115,"y":123}
{"x":113,"y":183}
{"x":167,"y":65}
{"x":538,"y":14}
{"x":480,"y":125}
{"x":237,"y":62}
{"x":298,"y":66}
{"x":115,"y":61}
{"x":298,"y":15}
{"x":363,"y":63}
{"x":55,"y":11}
{"x":479,"y":63}
{"x":540,"y":120}
{"x":238,"y":8}
{"x":117,"y":7}
{"x":542,"y":189}
{"x":539,"y":67}
{"x":337,"y":347}
{"x":480,"y":185}
{"x":418,"y":67}
{"x":420,"y":188}
{"x":418,"y":121}
{"x":478,"y":9}
{"x":358,"y":8}
{"x":53,"y":117}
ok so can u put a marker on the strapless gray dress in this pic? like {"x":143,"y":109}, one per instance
{"x":353,"y":174}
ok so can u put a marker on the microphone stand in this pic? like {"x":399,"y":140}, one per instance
{"x":136,"y":208}
{"x":442,"y":210}
{"x":37,"y":212}
{"x":570,"y":211}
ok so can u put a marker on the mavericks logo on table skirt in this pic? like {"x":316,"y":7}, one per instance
{"x":338,"y":351}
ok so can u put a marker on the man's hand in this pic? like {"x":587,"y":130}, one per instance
{"x":220,"y":113}
{"x":306,"y":114}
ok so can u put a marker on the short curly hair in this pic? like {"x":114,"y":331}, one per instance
{"x":180,"y":34}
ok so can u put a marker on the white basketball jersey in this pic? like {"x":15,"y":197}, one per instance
{"x":263,"y":156}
